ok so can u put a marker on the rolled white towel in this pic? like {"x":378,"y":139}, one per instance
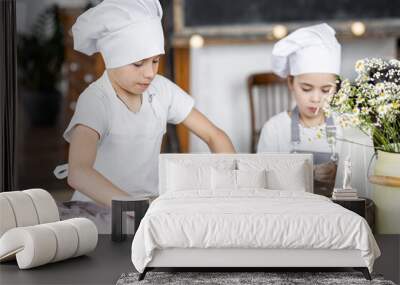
{"x":46,"y":207}
{"x":67,"y":240}
{"x":33,"y":246}
{"x":7,"y":218}
{"x":40,"y":244}
{"x":23,"y":208}
{"x":26,"y":208}
{"x":87,"y":235}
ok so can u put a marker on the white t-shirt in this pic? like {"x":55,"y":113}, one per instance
{"x":276,"y":137}
{"x":130,"y":143}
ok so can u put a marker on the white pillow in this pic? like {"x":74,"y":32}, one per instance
{"x":237,"y":179}
{"x":251,"y":178}
{"x":280,"y":174}
{"x":193,"y":174}
{"x":187,"y":177}
{"x":292,"y":179}
{"x":223,"y":179}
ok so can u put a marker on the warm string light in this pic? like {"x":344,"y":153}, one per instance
{"x":358,"y":28}
{"x":279,"y":31}
{"x":196,"y":41}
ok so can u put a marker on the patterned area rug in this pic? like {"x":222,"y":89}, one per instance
{"x":229,"y":278}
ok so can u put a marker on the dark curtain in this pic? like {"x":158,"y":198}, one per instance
{"x":172,"y":140}
{"x":8,"y":98}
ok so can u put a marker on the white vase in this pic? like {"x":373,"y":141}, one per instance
{"x":387,"y":199}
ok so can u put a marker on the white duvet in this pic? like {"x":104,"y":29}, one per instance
{"x":250,"y":218}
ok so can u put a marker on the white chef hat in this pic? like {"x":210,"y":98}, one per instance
{"x":311,"y":49}
{"x":123,"y":31}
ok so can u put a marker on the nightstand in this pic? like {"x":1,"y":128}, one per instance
{"x":123,"y":204}
{"x":363,"y":206}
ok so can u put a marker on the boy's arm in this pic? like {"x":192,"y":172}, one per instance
{"x":81,"y":174}
{"x":215,"y":138}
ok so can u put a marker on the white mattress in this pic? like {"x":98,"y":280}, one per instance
{"x":250,"y":218}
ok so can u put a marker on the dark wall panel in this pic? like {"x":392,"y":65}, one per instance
{"x":225,"y":12}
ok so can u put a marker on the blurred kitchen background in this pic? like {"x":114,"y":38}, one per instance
{"x":215,"y":50}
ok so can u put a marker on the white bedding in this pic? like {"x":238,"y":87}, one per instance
{"x":251,"y":218}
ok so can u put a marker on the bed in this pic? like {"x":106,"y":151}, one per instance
{"x":247,"y":210}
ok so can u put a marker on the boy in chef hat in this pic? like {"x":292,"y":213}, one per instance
{"x":116,"y":132}
{"x":310,"y":59}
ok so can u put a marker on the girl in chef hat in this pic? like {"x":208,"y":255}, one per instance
{"x":310,"y":60}
{"x":116,"y":131}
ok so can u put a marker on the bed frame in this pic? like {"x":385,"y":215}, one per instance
{"x":243,"y":259}
{"x":246,"y":258}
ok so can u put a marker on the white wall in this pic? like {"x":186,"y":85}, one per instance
{"x":218,"y":81}
{"x":218,"y":84}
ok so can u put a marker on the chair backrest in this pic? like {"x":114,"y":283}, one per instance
{"x":268,"y":96}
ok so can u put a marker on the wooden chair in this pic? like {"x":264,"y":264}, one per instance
{"x":268,"y":95}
